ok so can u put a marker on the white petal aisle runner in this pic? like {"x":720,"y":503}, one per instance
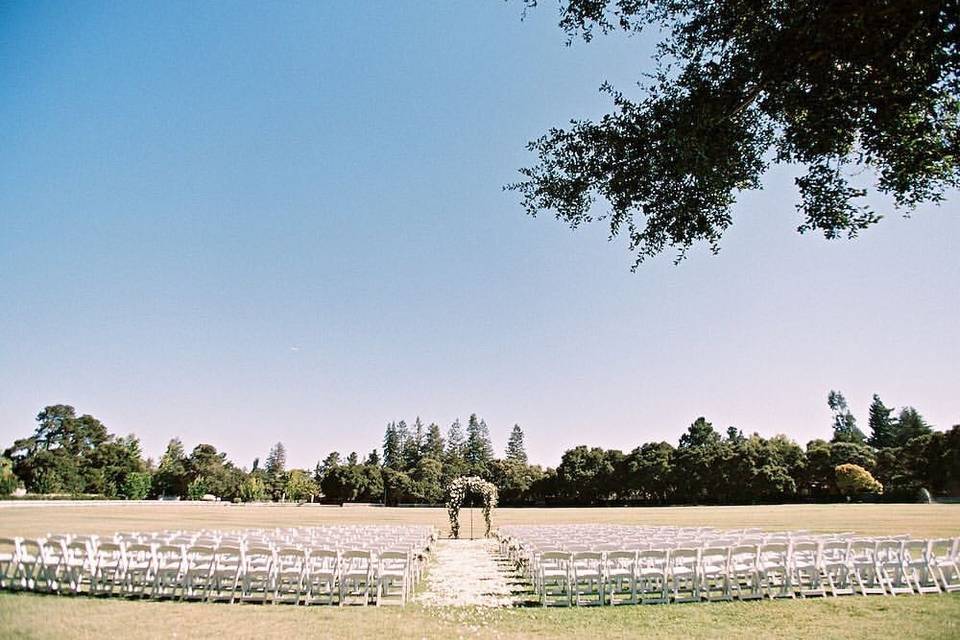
{"x":466,"y":573}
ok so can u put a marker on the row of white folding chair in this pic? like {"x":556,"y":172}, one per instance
{"x":203,"y":572}
{"x":773,"y":569}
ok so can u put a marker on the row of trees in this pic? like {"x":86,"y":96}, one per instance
{"x":901,"y":455}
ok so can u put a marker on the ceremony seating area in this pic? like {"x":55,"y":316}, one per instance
{"x":619,"y":564}
{"x":362,"y":564}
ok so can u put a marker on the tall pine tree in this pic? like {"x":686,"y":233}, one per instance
{"x":910,"y":424}
{"x":412,"y":448}
{"x":433,"y":444}
{"x":392,"y":451}
{"x":479,"y":449}
{"x":882,"y":427}
{"x":516,"y":450}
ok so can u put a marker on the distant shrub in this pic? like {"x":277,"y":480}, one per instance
{"x":8,"y":479}
{"x":253,"y":489}
{"x":136,"y":485}
{"x":197,"y":488}
{"x":852,"y":480}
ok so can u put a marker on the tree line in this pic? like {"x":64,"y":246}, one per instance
{"x":899,"y":458}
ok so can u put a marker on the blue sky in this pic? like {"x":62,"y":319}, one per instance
{"x":239,"y":224}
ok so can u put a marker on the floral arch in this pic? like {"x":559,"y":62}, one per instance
{"x":457,"y":492}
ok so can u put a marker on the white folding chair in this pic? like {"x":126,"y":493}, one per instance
{"x":139,"y":563}
{"x":806,"y":568}
{"x":773,"y":563}
{"x":228,"y":565}
{"x":393,"y":575}
{"x":945,"y":556}
{"x":918,"y":566}
{"x":835,"y":567}
{"x":77,"y":564}
{"x":587,"y":578}
{"x":715,"y":582}
{"x":652,"y":575}
{"x":862,"y":563}
{"x":108,"y":568}
{"x":685,"y":574}
{"x":356,"y":577}
{"x":200,"y":562}
{"x":744,"y":572}
{"x":169,"y":571}
{"x":554,"y":578}
{"x":323,"y":566}
{"x":891,"y":567}
{"x":257,"y":575}
{"x":620,"y":568}
{"x":9,"y":559}
{"x":290,"y":574}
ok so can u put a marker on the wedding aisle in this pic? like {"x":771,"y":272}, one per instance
{"x":467,"y":573}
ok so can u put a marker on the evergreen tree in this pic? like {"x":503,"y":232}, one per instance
{"x":391,"y":447}
{"x":433,"y":444}
{"x":516,"y":450}
{"x":454,"y":464}
{"x":373,"y":460}
{"x":403,"y":436}
{"x":844,"y":424}
{"x":883,"y":428}
{"x":276,"y":460}
{"x":275,"y":468}
{"x":413,"y":447}
{"x":910,"y":424}
{"x":479,"y":449}
{"x":353,"y":459}
{"x":330,"y":462}
{"x":455,"y":442}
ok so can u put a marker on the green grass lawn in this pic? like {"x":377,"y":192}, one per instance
{"x":46,"y":616}
{"x":913,"y":617}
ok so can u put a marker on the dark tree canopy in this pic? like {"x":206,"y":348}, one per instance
{"x":833,"y":87}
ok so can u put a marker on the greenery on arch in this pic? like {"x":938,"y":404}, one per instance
{"x":457,"y":492}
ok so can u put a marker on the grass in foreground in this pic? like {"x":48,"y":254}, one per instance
{"x":915,"y":617}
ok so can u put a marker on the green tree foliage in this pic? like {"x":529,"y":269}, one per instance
{"x":413,"y":445}
{"x":433,"y":443}
{"x":706,"y":467}
{"x":253,"y":489}
{"x":516,"y":450}
{"x":854,"y":480}
{"x":883,"y":427}
{"x":910,"y":425}
{"x":8,"y":479}
{"x":835,"y":87}
{"x":392,"y":447}
{"x":276,"y":471}
{"x":455,"y":464}
{"x":649,"y":472}
{"x":197,"y":488}
{"x":216,"y":474}
{"x":478,"y":452}
{"x":73,"y":454}
{"x":696,"y":461}
{"x":844,"y":424}
{"x":172,"y":477}
{"x":583,"y":475}
{"x":300,"y":486}
{"x":136,"y":485}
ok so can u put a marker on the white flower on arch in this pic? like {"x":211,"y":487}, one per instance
{"x":457,"y":492}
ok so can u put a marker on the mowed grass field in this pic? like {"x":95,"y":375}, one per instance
{"x":45,"y":616}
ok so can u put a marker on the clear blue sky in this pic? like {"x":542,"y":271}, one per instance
{"x":239,"y":223}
